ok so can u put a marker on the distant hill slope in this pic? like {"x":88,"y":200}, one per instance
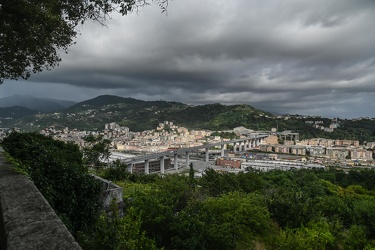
{"x":119,"y":102}
{"x":33,"y":103}
{"x":218,"y":116}
{"x":103,"y":100}
{"x":141,"y":115}
{"x":64,"y":103}
{"x":14,"y":113}
{"x":94,"y":113}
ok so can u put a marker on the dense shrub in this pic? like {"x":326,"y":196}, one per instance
{"x":255,"y":210}
{"x":57,"y":171}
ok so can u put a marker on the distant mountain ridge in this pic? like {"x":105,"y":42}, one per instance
{"x":141,"y":115}
{"x":34,"y":103}
{"x":109,"y":99}
{"x":104,"y":100}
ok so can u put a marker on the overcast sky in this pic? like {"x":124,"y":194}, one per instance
{"x":291,"y":56}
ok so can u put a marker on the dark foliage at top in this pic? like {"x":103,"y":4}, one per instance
{"x":33,"y":32}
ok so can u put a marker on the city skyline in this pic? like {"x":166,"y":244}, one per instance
{"x":296,"y":57}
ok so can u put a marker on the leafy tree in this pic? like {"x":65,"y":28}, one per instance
{"x":216,"y":184}
{"x":334,"y":207}
{"x":57,"y":171}
{"x":158,"y":203}
{"x":191,"y":174}
{"x":115,"y":232}
{"x":292,"y":197}
{"x":116,"y":171}
{"x":364,"y":213}
{"x":354,"y":238}
{"x":250,"y":182}
{"x":96,"y":149}
{"x":273,"y":210}
{"x":32,"y":32}
{"x":316,"y":235}
{"x":232,"y":221}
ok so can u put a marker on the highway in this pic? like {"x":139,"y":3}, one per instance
{"x":183,"y":151}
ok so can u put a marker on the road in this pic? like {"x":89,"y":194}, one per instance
{"x":199,"y":167}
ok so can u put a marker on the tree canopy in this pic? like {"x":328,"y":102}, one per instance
{"x":302,"y":209}
{"x":57,"y":170}
{"x":96,"y":150}
{"x":32,"y":32}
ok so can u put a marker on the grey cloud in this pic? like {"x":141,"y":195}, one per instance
{"x":275,"y":54}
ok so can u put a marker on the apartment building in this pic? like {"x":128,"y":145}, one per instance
{"x":361,"y":154}
{"x":337,"y":153}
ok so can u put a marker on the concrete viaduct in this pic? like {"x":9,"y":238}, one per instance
{"x":241,"y":144}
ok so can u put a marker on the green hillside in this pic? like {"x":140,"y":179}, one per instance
{"x":7,"y":115}
{"x":141,"y":115}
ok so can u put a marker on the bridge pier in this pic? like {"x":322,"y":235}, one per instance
{"x":162,"y":164}
{"x":130,"y":168}
{"x":222,"y":150}
{"x":175,"y":162}
{"x":245,"y":145}
{"x":206,"y":155}
{"x":234,"y":147}
{"x":187,"y":158}
{"x":147,"y":166}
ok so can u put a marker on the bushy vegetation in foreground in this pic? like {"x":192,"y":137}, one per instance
{"x":276,"y":210}
{"x":57,"y":170}
{"x":305,"y":209}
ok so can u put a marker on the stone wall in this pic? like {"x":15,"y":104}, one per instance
{"x":111,"y":193}
{"x":26,"y":219}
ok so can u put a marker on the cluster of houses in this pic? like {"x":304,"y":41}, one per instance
{"x":167,"y":136}
{"x":322,"y":148}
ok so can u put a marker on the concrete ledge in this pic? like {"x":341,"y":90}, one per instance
{"x":111,"y":192}
{"x":26,"y":219}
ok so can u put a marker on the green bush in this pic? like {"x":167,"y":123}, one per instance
{"x":57,"y":170}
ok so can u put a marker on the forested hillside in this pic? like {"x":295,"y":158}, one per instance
{"x":141,"y":115}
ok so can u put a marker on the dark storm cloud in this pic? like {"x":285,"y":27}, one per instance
{"x":312,"y":57}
